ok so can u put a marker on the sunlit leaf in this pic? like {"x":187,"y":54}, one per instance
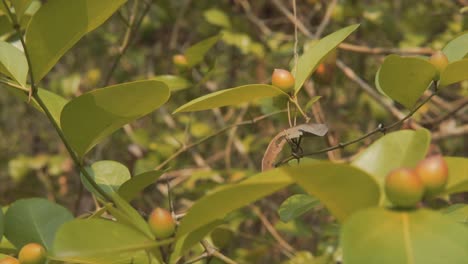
{"x":58,"y":25}
{"x":455,"y":72}
{"x":89,"y":118}
{"x":13,"y":63}
{"x":310,"y":60}
{"x":457,"y":212}
{"x":232,"y":96}
{"x":174,"y":82}
{"x":404,"y":148}
{"x":34,"y":220}
{"x":457,"y":48}
{"x":217,"y":17}
{"x":379,"y":235}
{"x":20,"y":7}
{"x":132,"y":187}
{"x":404,"y":79}
{"x":196,"y":52}
{"x":458,"y":175}
{"x":108,"y":174}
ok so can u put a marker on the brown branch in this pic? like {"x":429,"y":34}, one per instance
{"x":455,"y":132}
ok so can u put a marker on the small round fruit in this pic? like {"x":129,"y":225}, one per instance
{"x":32,"y":253}
{"x":282,"y":79}
{"x":433,"y":172}
{"x":180,"y":60}
{"x":439,"y":60}
{"x":161,"y":223}
{"x":9,"y":260}
{"x":404,"y":188}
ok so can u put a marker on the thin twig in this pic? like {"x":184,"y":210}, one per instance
{"x":451,"y":112}
{"x":454,"y":132}
{"x":325,"y":20}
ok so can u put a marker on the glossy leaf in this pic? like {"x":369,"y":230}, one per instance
{"x":108,"y":174}
{"x":310,"y":60}
{"x":343,"y":189}
{"x":132,"y":187}
{"x":382,"y":236}
{"x":404,"y":148}
{"x":455,"y":72}
{"x":20,"y":7}
{"x":89,"y":118}
{"x":196,"y":52}
{"x":404,"y":79}
{"x":111,"y":242}
{"x":189,"y":240}
{"x":457,"y":48}
{"x":232,"y":96}
{"x":58,"y":25}
{"x":458,"y":175}
{"x":220,"y":202}
{"x":457,"y":212}
{"x":174,"y":82}
{"x":34,"y":220}
{"x":53,"y":101}
{"x":296,"y":206}
{"x":13,"y":63}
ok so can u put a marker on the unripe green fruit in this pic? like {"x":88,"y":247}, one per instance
{"x":32,"y":253}
{"x":282,"y":79}
{"x":180,"y":60}
{"x":161,"y":223}
{"x":9,"y":260}
{"x":404,"y":188}
{"x":439,"y":60}
{"x":433,"y":172}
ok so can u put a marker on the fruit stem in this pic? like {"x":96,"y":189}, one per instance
{"x":293,"y":99}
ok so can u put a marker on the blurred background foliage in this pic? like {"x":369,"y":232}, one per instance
{"x":255,"y":37}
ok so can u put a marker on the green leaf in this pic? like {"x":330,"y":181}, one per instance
{"x":309,"y":61}
{"x":174,"y":82}
{"x":196,"y":52}
{"x":455,"y":72}
{"x":343,"y":189}
{"x":404,"y":148}
{"x":217,"y":17}
{"x":108,"y":174}
{"x":404,"y":79}
{"x":187,"y":241}
{"x":132,"y":187}
{"x":382,"y":236}
{"x":20,"y":7}
{"x":34,"y":220}
{"x":220,"y":202}
{"x":2,"y":224}
{"x":89,"y":118}
{"x":232,"y":96}
{"x":13,"y":63}
{"x":458,"y":175}
{"x":58,"y":25}
{"x":97,"y":241}
{"x":296,"y":206}
{"x":457,"y":48}
{"x":53,"y":101}
{"x":457,"y":212}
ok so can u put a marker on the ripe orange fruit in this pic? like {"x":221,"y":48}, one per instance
{"x":433,"y":172}
{"x":404,"y":188}
{"x":161,"y":223}
{"x":9,"y":260}
{"x":180,"y":60}
{"x":32,"y":253}
{"x":439,"y":60}
{"x":282,"y":79}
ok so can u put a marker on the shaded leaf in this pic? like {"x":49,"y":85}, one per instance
{"x":457,"y":212}
{"x":457,"y":48}
{"x":132,"y":187}
{"x":89,"y":118}
{"x":231,"y":96}
{"x":383,"y":236}
{"x":58,"y":25}
{"x":310,"y":60}
{"x":13,"y":63}
{"x":295,"y":206}
{"x":404,"y":79}
{"x":111,"y":242}
{"x":404,"y":148}
{"x":108,"y":174}
{"x":20,"y":7}
{"x":34,"y":220}
{"x":458,"y":175}
{"x":343,"y":189}
{"x":197,"y":52}
{"x":455,"y":72}
{"x":174,"y":82}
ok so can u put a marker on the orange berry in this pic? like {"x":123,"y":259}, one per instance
{"x":180,"y":60}
{"x":404,"y":188}
{"x":9,"y":260}
{"x":161,"y":223}
{"x":439,"y":60}
{"x":32,"y":253}
{"x":282,"y":79}
{"x":433,"y":172}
